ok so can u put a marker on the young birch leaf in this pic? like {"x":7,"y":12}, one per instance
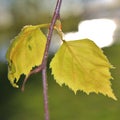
{"x":25,"y":52}
{"x":81,"y":65}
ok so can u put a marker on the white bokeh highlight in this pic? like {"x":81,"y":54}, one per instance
{"x":101,"y":31}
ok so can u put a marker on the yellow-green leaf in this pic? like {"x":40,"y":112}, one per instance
{"x":25,"y":52}
{"x":81,"y":65}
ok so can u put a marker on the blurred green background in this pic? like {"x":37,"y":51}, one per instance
{"x":63,"y":103}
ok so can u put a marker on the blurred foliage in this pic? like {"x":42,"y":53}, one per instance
{"x":70,"y":23}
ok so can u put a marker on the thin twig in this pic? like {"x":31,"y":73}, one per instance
{"x":45,"y":94}
{"x":56,"y":16}
{"x":36,"y":70}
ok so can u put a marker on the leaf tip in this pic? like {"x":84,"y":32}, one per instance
{"x":113,"y":96}
{"x":15,"y":85}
